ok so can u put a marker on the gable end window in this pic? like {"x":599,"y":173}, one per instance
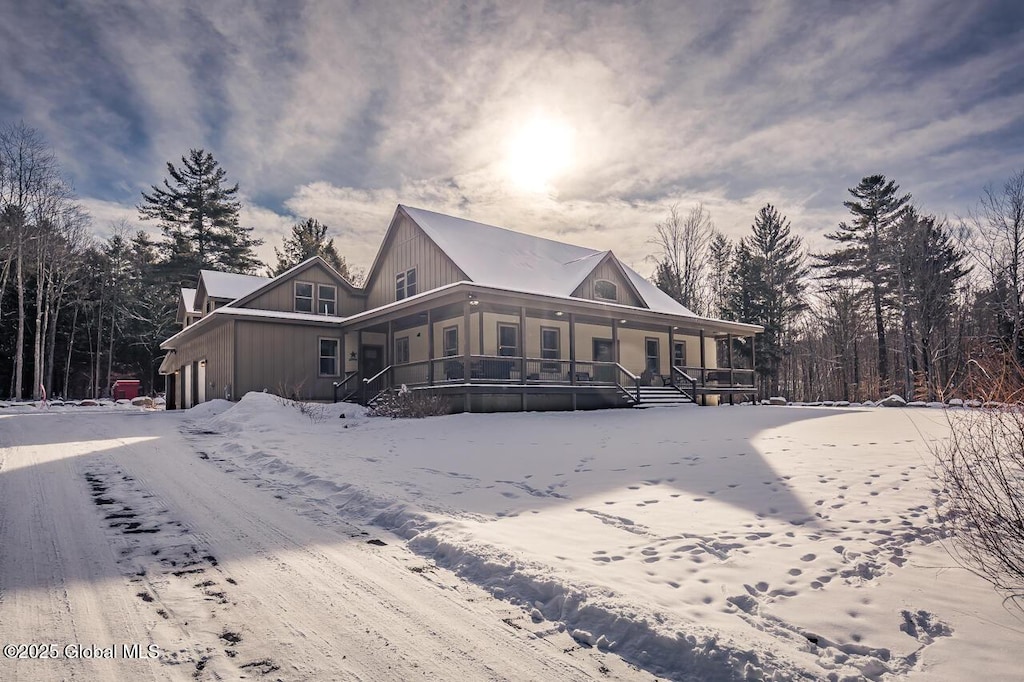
{"x":405,"y":284}
{"x":326,"y":299}
{"x":303,"y":297}
{"x":328,"y":357}
{"x":605,"y":290}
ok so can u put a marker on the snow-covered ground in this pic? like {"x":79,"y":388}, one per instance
{"x":694,"y":543}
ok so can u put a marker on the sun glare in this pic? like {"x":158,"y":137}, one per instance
{"x":539,"y":152}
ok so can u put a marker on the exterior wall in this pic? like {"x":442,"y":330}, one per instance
{"x":457,"y":322}
{"x":407,"y":248}
{"x":276,"y":357}
{"x":585,"y":334}
{"x":418,"y":343}
{"x":282,"y":296}
{"x":216,"y":348}
{"x":608,"y":270}
{"x":633,"y":350}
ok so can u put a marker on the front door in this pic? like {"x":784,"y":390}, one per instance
{"x":372,"y":361}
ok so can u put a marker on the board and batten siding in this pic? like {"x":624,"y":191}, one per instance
{"x":408,"y":247}
{"x":607,"y":270}
{"x":216,"y":348}
{"x":282,"y":296}
{"x":284,"y":357}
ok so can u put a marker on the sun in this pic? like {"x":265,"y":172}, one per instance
{"x":538,"y":152}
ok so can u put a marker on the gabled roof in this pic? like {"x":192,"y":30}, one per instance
{"x":269,"y":283}
{"x":513,"y":260}
{"x":229,"y":285}
{"x":188,"y":300}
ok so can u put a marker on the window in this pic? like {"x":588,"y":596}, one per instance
{"x":450,"y":341}
{"x":405,"y":284}
{"x":328,"y":357}
{"x":326,"y":299}
{"x":550,"y":349}
{"x":402,"y":350}
{"x":508,"y":340}
{"x":303,"y":297}
{"x":679,"y":353}
{"x":653,"y":355}
{"x":606,"y":290}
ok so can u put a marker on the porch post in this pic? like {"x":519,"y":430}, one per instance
{"x":615,"y":340}
{"x":753,"y":369}
{"x":732,"y":379}
{"x":389,"y":349}
{"x":671,"y":353}
{"x":572,"y":349}
{"x":522,"y":354}
{"x":466,"y":352}
{"x":359,"y":367}
{"x":703,"y":370}
{"x":430,"y":349}
{"x":572,"y":356}
{"x":522,"y":348}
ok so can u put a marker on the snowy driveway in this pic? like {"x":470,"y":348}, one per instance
{"x":114,"y":531}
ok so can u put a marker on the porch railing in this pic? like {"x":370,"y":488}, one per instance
{"x":724,"y":377}
{"x":347,"y":386}
{"x":375,"y":385}
{"x":680,"y":378}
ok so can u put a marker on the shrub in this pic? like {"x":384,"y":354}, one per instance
{"x":289,"y":396}
{"x":981,"y":467}
{"x":405,"y":403}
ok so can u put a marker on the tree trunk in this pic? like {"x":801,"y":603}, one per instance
{"x":71,"y":346}
{"x":19,"y":343}
{"x":40,"y":330}
{"x":883,"y":357}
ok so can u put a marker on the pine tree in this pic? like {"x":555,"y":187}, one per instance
{"x":863,"y":249}
{"x":768,"y":287}
{"x":929,"y":267}
{"x":308,"y":239}
{"x":198,"y":215}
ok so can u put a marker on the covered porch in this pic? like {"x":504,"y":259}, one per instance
{"x":492,"y":349}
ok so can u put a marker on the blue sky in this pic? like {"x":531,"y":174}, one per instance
{"x":339,"y":110}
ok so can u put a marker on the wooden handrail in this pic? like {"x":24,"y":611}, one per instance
{"x":378,"y":375}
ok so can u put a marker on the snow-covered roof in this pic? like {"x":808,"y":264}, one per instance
{"x":513,"y":260}
{"x":230,"y":285}
{"x":188,"y":299}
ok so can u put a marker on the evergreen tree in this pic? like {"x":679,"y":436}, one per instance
{"x":929,"y":267}
{"x":863,"y":249}
{"x":768,"y":287}
{"x":720,"y":254}
{"x":308,"y":239}
{"x":198,"y":215}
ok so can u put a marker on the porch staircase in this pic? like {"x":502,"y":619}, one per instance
{"x":654,"y":396}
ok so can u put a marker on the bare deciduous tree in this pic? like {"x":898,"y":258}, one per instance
{"x":682,"y":246}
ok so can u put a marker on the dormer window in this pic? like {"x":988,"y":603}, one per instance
{"x":405,"y":284}
{"x":303,"y":297}
{"x":326,"y":299}
{"x":605,"y":290}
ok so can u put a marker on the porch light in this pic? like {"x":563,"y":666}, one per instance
{"x":474,"y":302}
{"x":622,"y":322}
{"x":559,"y":313}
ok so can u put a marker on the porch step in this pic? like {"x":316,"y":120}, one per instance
{"x":651,"y":396}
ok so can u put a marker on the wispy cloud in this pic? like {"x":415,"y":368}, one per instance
{"x":340,"y":110}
